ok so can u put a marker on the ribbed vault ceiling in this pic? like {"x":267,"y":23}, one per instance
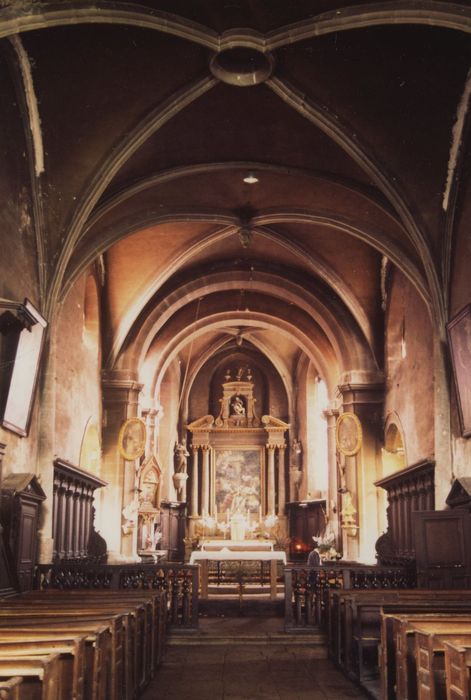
{"x":147,"y":152}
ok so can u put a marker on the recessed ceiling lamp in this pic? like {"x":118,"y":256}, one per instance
{"x":250,"y":179}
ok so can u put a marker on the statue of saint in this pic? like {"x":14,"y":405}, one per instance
{"x":180,"y":457}
{"x":237,"y":407}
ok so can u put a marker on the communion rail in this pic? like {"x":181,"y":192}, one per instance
{"x":179,"y":581}
{"x":307,"y":589}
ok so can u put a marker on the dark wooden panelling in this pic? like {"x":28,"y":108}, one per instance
{"x":409,"y":491}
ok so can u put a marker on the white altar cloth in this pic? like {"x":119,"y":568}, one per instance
{"x":237,"y":545}
{"x":228,"y":555}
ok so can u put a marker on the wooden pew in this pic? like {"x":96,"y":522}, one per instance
{"x":362,"y":622}
{"x":10,"y":689}
{"x":157,"y":623}
{"x":138,"y":621}
{"x":431,"y":678}
{"x":457,"y":670}
{"x":97,"y":681}
{"x":396,"y":628}
{"x":40,"y":676}
{"x":71,"y":652}
{"x":405,"y":629}
{"x":120,"y":686}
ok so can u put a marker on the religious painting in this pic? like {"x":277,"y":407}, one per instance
{"x":348,"y":434}
{"x":132,"y":439}
{"x":238,"y":481}
{"x":23,"y":380}
{"x":459,"y":337}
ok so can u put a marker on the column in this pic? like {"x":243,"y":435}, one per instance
{"x":194,"y":483}
{"x":281,"y":482}
{"x":55,"y":517}
{"x":61,"y":521}
{"x":82,"y":543}
{"x":88,"y":518}
{"x":69,"y":518}
{"x":331,"y":416}
{"x":271,"y":480}
{"x":205,"y":481}
{"x":120,"y":402}
{"x":362,"y":469}
{"x":76,"y":520}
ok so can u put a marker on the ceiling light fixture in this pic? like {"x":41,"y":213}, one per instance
{"x":250,"y":179}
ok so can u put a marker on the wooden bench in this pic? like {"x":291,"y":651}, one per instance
{"x":362,"y":622}
{"x":40,"y":676}
{"x":119,"y":687}
{"x":404,"y":663}
{"x":137,"y":623}
{"x":398,"y":641}
{"x":158,"y":607}
{"x":356,"y":625}
{"x":431,"y":678}
{"x":98,"y":643}
{"x":71,"y":652}
{"x":458,"y":669}
{"x":10,"y":689}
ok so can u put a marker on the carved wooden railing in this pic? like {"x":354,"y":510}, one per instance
{"x":179,"y":581}
{"x":307,"y":589}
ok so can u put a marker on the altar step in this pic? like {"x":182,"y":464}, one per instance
{"x":317,"y":641}
{"x":252,"y":607}
{"x":250,"y":590}
{"x":248,"y":630}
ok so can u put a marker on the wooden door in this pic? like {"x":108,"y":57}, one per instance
{"x":442,"y":546}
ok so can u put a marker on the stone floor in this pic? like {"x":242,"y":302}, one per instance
{"x":257,"y":669}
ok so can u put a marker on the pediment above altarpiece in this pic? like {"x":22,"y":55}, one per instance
{"x":238,"y":417}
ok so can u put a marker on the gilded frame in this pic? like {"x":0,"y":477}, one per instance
{"x":348,"y":434}
{"x":459,"y":339}
{"x":131,"y":444}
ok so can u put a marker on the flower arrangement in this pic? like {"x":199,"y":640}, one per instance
{"x":269,"y":529}
{"x":326,"y":547}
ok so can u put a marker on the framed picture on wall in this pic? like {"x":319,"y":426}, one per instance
{"x":24,"y":342}
{"x":459,"y":339}
{"x":132,"y":439}
{"x":238,"y":479}
{"x":348,"y":434}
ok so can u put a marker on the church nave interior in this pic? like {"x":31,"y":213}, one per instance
{"x":235,"y":333}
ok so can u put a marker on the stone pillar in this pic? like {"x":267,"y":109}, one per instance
{"x":205,"y":481}
{"x":194,"y":483}
{"x":332,"y":493}
{"x":364,"y":468}
{"x":281,"y":482}
{"x":120,"y":402}
{"x":271,"y":480}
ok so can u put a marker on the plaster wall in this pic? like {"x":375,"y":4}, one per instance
{"x":78,"y":392}
{"x":409,"y":368}
{"x":18,"y":254}
{"x":460,"y":296}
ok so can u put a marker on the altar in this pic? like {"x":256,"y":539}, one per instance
{"x":203,"y":557}
{"x":237,"y":545}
